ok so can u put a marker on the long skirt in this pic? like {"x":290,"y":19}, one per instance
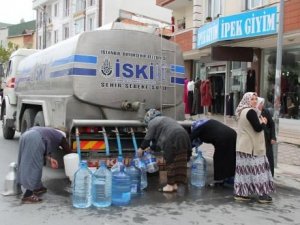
{"x":252,"y":175}
{"x":177,"y":170}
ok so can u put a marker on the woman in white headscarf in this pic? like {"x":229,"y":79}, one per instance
{"x":269,"y":131}
{"x":252,"y":172}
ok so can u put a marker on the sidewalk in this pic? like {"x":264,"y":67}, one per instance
{"x":287,"y":172}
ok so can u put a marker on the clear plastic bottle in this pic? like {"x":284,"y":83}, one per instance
{"x":135,"y":178}
{"x":121,"y":188}
{"x":82,"y":187}
{"x":101,"y":186}
{"x":139,"y":163}
{"x":150,"y":162}
{"x":116,"y":167}
{"x":198,"y":170}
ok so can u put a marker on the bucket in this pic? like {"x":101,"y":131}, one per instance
{"x":71,"y":162}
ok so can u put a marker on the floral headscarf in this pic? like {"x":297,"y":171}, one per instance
{"x":151,"y":114}
{"x":244,"y":103}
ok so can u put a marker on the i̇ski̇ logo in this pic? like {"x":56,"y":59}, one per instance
{"x":106,"y":68}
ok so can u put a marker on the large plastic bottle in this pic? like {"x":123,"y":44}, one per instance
{"x":198,"y":169}
{"x":101,"y":186}
{"x":139,"y":163}
{"x":82,"y":187}
{"x":121,"y":188}
{"x":135,"y":178}
{"x":116,"y":167}
{"x":150,"y":162}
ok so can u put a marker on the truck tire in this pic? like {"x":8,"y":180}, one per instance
{"x":39,"y":119}
{"x":27,"y":119}
{"x":8,"y":132}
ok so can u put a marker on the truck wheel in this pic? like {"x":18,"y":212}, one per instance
{"x":27,"y":119}
{"x":39,"y":119}
{"x":8,"y":132}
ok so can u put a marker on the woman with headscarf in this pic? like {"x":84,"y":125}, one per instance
{"x":269,"y":131}
{"x":223,"y":138}
{"x":252,"y":172}
{"x":166,"y":135}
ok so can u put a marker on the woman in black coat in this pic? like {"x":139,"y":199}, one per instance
{"x":269,"y":130}
{"x":223,"y":138}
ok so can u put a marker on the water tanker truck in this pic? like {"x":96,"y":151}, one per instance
{"x":96,"y":86}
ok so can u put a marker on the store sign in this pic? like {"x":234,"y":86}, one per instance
{"x":208,"y":34}
{"x":249,"y":24}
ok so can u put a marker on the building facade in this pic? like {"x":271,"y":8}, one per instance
{"x":58,"y":20}
{"x":233,"y":45}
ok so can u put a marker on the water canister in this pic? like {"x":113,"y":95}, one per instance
{"x":150,"y":161}
{"x":121,"y":188}
{"x":71,"y":162}
{"x":11,"y":187}
{"x":135,"y":178}
{"x":198,"y":170}
{"x":82,"y":187}
{"x":101,"y":186}
{"x":116,"y":167}
{"x":139,"y":163}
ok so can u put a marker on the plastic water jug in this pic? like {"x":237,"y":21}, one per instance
{"x":116,"y":167}
{"x":101,"y":186}
{"x":139,"y":163}
{"x":198,"y":169}
{"x":121,"y":188}
{"x":71,"y":162}
{"x":82,"y":187}
{"x":135,"y":178}
{"x":150,"y":161}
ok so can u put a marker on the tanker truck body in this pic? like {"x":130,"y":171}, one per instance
{"x":97,"y":86}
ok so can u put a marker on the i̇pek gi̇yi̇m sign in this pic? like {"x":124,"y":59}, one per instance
{"x":248,"y":24}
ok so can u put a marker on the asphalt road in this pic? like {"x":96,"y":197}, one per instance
{"x":192,"y":206}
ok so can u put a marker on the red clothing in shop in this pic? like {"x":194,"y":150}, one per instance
{"x":185,"y":97}
{"x":206,"y":97}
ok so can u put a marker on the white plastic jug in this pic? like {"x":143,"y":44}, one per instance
{"x":71,"y":162}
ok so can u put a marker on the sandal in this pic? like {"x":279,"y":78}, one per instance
{"x":32,"y":199}
{"x":40,"y":191}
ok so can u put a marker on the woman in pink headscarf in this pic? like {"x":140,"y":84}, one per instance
{"x":252,"y":173}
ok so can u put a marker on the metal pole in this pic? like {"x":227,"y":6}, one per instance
{"x":278,"y":77}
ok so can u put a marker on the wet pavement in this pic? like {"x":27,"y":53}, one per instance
{"x":189,"y":206}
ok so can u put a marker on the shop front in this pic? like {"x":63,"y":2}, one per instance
{"x":235,"y":63}
{"x":290,"y":81}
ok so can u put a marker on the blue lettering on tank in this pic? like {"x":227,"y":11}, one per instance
{"x":127,"y":70}
{"x":141,"y":71}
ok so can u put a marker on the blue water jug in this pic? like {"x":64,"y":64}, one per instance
{"x":116,"y":167}
{"x":121,"y":188}
{"x":198,"y":169}
{"x":150,"y":161}
{"x":135,"y":178}
{"x":101,"y":186}
{"x":82,"y":187}
{"x":139,"y":163}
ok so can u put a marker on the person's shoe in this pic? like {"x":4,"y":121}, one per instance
{"x":32,"y":199}
{"x":264,"y":199}
{"x":241,"y":198}
{"x":40,"y":191}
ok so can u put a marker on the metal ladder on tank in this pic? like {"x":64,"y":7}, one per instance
{"x":166,"y":52}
